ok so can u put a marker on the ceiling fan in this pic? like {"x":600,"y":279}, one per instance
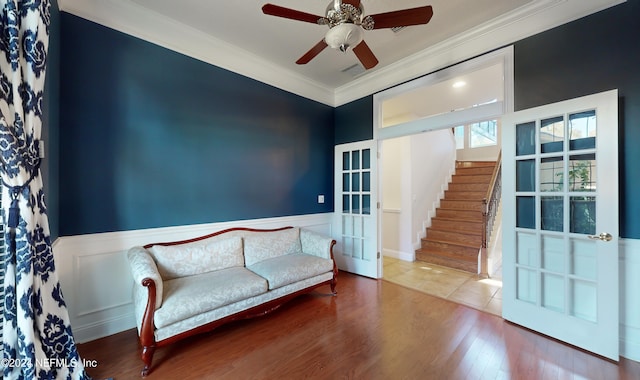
{"x":346,"y":22}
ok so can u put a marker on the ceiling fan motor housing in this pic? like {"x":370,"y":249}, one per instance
{"x":343,"y":36}
{"x":345,"y":13}
{"x":344,"y":21}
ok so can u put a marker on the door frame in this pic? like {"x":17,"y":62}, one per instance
{"x":437,"y":122}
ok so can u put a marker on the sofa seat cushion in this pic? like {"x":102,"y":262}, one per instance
{"x":284,"y":270}
{"x":188,"y":296}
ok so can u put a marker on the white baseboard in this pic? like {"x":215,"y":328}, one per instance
{"x":630,"y":342}
{"x":406,"y":256}
{"x":105,"y":327}
{"x":95,"y":276}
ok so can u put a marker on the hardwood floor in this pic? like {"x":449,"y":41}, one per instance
{"x":370,"y":330}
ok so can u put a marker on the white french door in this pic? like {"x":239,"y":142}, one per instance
{"x":356,"y":211}
{"x":560,"y":221}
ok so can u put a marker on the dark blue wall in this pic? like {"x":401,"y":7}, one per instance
{"x":152,"y":138}
{"x":50,"y":121}
{"x":593,"y":54}
{"x":354,"y":121}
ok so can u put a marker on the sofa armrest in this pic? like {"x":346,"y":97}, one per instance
{"x":316,"y":244}
{"x":144,"y":269}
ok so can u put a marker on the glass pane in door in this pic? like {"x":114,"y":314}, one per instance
{"x":552,"y":213}
{"x":582,"y":130}
{"x":583,"y":296}
{"x":551,"y":173}
{"x":553,"y":257}
{"x":525,"y":175}
{"x":552,"y":135}
{"x":346,"y":161}
{"x":582,"y":172}
{"x":583,"y":262}
{"x":552,"y":299}
{"x":356,"y":201}
{"x":583,"y":215}
{"x":526,"y":212}
{"x":366,"y":159}
{"x":525,"y":139}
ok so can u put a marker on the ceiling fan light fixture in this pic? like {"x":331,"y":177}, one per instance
{"x":343,"y":36}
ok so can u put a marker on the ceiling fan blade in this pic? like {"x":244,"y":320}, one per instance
{"x":365,"y":55}
{"x":308,"y":56}
{"x":278,"y":11}
{"x":405,"y":17}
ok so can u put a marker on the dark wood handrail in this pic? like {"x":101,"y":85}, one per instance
{"x":496,"y":170}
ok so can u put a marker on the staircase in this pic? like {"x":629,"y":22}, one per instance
{"x":455,"y":236}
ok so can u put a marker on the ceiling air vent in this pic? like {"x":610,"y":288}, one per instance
{"x":396,"y":29}
{"x":354,"y":70}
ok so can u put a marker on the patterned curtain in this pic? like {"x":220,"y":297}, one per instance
{"x":37,"y":342}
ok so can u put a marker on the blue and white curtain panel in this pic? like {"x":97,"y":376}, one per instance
{"x":37,"y":342}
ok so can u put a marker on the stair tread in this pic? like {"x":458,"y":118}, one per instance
{"x":449,"y":219}
{"x":467,"y":266}
{"x":475,"y":187}
{"x":467,"y":164}
{"x":462,"y":200}
{"x":474,"y":171}
{"x":448,"y":242}
{"x":469,"y":259}
{"x":465,"y":233}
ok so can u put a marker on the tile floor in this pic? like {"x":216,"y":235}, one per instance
{"x":457,"y":286}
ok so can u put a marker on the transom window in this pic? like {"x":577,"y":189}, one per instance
{"x":477,"y":135}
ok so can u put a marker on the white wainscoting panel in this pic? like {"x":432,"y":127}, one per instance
{"x":630,"y":298}
{"x":95,"y":276}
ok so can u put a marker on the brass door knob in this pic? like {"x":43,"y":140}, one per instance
{"x":604,"y":236}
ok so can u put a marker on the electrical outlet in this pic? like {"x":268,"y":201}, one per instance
{"x":320,"y":198}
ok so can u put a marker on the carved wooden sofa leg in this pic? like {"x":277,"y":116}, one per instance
{"x":147,"y":357}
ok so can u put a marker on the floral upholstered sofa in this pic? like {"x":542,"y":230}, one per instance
{"x":186,"y":287}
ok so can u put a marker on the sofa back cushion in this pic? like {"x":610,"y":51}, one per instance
{"x":260,"y":246}
{"x":198,"y":257}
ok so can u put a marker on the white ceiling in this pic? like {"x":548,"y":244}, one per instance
{"x":237,"y":36}
{"x":282,"y":41}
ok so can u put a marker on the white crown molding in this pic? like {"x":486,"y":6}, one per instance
{"x":133,"y":19}
{"x":130,"y":18}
